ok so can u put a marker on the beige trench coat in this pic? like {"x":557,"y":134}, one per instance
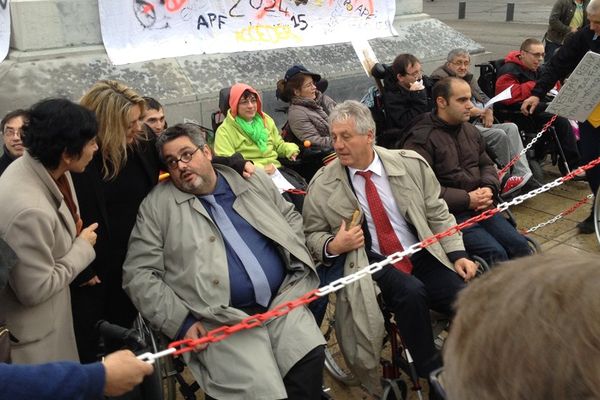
{"x":330,"y":199}
{"x":36,"y":222}
{"x":176,"y":264}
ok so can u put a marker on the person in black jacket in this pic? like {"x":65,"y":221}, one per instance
{"x":559,"y":67}
{"x":405,"y":93}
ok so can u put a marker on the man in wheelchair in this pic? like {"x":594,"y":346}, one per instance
{"x":209,"y":249}
{"x":520,"y":70}
{"x":468,"y":178}
{"x":502,"y":138}
{"x":368,"y":203}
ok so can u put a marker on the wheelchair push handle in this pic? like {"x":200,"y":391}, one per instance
{"x":130,"y":337}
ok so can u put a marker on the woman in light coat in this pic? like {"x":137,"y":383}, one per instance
{"x":40,"y":220}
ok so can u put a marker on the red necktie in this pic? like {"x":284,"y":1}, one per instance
{"x":388,"y":240}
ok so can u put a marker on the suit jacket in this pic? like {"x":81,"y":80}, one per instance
{"x":176,"y":265}
{"x":36,"y":222}
{"x":330,"y":199}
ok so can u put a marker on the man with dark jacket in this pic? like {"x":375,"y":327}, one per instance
{"x":469,"y":182}
{"x":405,"y":93}
{"x":520,"y":71}
{"x":567,"y":58}
{"x":567,"y":16}
{"x":503,"y":139}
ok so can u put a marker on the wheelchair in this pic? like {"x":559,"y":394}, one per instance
{"x":398,"y":375}
{"x":547,"y":146}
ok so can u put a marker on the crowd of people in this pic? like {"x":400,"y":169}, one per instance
{"x":88,"y":232}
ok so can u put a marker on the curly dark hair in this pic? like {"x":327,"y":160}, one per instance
{"x":56,"y":126}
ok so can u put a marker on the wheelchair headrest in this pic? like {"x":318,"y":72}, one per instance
{"x":224,"y":99}
{"x":380,"y":71}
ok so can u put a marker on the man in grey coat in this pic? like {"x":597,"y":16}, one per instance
{"x":188,"y":273}
{"x":409,"y":194}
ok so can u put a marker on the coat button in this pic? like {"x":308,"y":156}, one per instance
{"x":212,"y":239}
{"x":351,"y":265}
{"x":403,"y":152}
{"x":215,"y":282}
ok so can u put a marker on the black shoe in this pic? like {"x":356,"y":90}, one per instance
{"x":587,"y":225}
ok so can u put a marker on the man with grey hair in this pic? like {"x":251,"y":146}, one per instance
{"x":367,"y":204}
{"x":209,"y":249}
{"x":560,"y":66}
{"x":503,"y":139}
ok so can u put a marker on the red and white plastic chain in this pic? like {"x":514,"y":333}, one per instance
{"x":560,"y":215}
{"x":529,"y":145}
{"x":221,"y":333}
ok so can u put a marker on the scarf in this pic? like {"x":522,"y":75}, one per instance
{"x":255,"y":130}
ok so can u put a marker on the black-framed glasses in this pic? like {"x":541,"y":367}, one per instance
{"x":185,"y":157}
{"x":536,"y":55}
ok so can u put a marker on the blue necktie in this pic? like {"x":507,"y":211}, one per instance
{"x":262,"y":290}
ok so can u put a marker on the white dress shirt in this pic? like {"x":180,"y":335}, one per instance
{"x":380,"y":179}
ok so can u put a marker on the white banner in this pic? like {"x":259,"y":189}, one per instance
{"x":141,"y":30}
{"x":4,"y":28}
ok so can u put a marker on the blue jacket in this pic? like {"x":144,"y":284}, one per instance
{"x":53,"y":381}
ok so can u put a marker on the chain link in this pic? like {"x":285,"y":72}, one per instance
{"x":218,"y":334}
{"x":560,"y":215}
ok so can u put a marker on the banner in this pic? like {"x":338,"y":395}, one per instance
{"x":141,"y":30}
{"x":4,"y":28}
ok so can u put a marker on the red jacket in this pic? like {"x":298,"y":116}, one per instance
{"x":515,"y":73}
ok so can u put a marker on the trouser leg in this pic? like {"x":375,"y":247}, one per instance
{"x":521,"y":167}
{"x":305,"y":380}
{"x":478,"y":241}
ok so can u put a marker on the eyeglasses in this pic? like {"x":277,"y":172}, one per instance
{"x":248,"y":100}
{"x":185,"y":157}
{"x":461,"y":63}
{"x":416,"y":74}
{"x":536,"y":55}
{"x":13,"y":132}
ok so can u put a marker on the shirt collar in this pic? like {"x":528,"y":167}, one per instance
{"x":595,"y":36}
{"x":376,"y":166}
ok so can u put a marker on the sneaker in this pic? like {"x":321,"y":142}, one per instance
{"x":513,"y":183}
{"x":587,"y":225}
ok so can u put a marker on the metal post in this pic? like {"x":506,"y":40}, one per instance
{"x":462,"y":8}
{"x":510,"y":12}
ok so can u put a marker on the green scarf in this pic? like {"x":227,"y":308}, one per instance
{"x":255,"y":130}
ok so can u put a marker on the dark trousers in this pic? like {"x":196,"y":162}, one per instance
{"x":431,"y":286}
{"x":589,"y":141}
{"x":495,"y":239}
{"x":305,"y":380}
{"x":106,"y":300}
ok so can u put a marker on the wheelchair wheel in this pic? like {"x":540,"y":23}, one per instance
{"x":597,"y":215}
{"x":161,"y":384}
{"x":536,"y":170}
{"x":482,"y":265}
{"x":334,"y":360}
{"x":534,"y":245}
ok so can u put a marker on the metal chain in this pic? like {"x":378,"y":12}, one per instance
{"x":528,"y":147}
{"x":560,"y":215}
{"x":216,"y":335}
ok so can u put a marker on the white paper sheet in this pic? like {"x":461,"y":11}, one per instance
{"x":365,"y":54}
{"x":280,"y":181}
{"x":4,"y":28}
{"x":504,"y":95}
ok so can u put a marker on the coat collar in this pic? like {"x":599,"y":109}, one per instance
{"x":48,"y":181}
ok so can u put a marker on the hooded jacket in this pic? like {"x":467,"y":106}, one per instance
{"x":515,"y":73}
{"x":458,"y":158}
{"x":231,"y":138}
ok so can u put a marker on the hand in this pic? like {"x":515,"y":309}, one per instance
{"x":529,"y":105}
{"x":270,"y":169}
{"x":123,"y":372}
{"x":294,"y":156}
{"x":196,"y":331}
{"x":249,"y":169}
{"x":573,"y":29}
{"x":89,"y":233}
{"x":480,"y":199}
{"x":416,"y":85}
{"x":347,"y":239}
{"x":465,"y":268}
{"x":92,"y":282}
{"x":487,"y":118}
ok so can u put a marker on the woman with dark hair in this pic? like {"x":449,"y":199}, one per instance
{"x":309,"y":108}
{"x":40,"y":221}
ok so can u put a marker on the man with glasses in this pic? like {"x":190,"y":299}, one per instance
{"x":405,"y":93}
{"x":211,"y":248}
{"x":520,"y":71}
{"x":12,"y":131}
{"x":503,"y":139}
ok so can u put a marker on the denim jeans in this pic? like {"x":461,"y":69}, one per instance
{"x":495,"y":239}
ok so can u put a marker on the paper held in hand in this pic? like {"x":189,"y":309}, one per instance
{"x":365,"y":54}
{"x":580,"y":96}
{"x":504,"y":95}
{"x":280,"y":181}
